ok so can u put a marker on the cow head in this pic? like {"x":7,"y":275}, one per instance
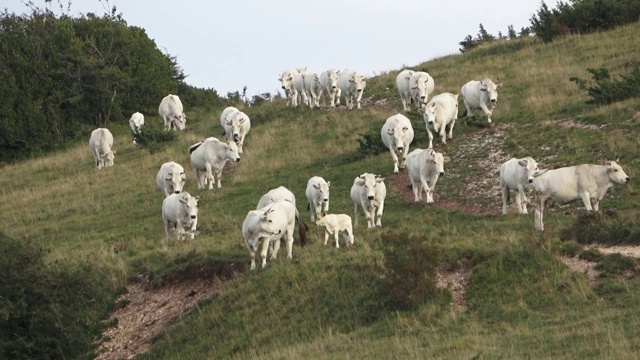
{"x":231,"y":151}
{"x":108,"y":158}
{"x":616,"y":174}
{"x":490,"y":91}
{"x":438,"y":160}
{"x":429,"y":114}
{"x":177,"y":181}
{"x":369,"y":181}
{"x":419,"y":86}
{"x":235,"y":122}
{"x":359,"y":81}
{"x":321,"y":219}
{"x":333,"y":76}
{"x":286,"y":79}
{"x":190,"y":204}
{"x":267,"y":224}
{"x":323,"y":188}
{"x":396,"y":137}
{"x":531,"y":166}
{"x":179,"y":122}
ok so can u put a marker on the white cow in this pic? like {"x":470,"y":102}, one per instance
{"x":481,"y":94}
{"x":286,"y":79}
{"x":567,"y":184}
{"x":352,"y":85}
{"x":425,"y":167}
{"x":402,"y":83}
{"x":397,"y":135}
{"x":101,"y":142}
{"x":180,"y":211}
{"x":299,"y":90}
{"x":279,"y":193}
{"x":172,"y":113}
{"x":136,"y":121}
{"x":312,"y":89}
{"x":171,"y":178}
{"x":329,"y":84}
{"x":236,"y":125}
{"x":269,"y":225}
{"x":336,"y":224}
{"x":208,"y":158}
{"x":368,"y":192}
{"x":517,"y":174}
{"x":420,"y":87}
{"x":442,"y":111}
{"x":318,"y":195}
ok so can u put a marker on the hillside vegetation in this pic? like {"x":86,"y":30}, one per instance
{"x":521,"y":300}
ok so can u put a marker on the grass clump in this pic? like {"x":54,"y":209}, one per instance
{"x":615,"y":264}
{"x":604,"y":227}
{"x":409,"y":271}
{"x":153,"y":137}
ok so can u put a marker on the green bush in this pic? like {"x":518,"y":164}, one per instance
{"x":616,"y":264}
{"x":48,"y":311}
{"x":410,"y":266}
{"x":153,"y":137}
{"x":371,"y":143}
{"x":608,"y":89}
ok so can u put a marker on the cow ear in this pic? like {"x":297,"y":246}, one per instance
{"x":523,"y":162}
{"x":228,"y":122}
{"x":379,"y":179}
{"x":498,"y":86}
{"x":421,"y":111}
{"x":446,"y":159}
{"x":405,"y":128}
{"x":316,"y":186}
{"x":198,"y":198}
{"x":168,"y":178}
{"x":391,"y":131}
{"x":328,"y":183}
{"x":241,"y":120}
{"x":359,"y":182}
{"x":183,"y":200}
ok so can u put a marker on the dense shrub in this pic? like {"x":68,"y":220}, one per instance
{"x":48,"y":311}
{"x":604,"y":227}
{"x":607,"y":88}
{"x":583,"y":16}
{"x":410,"y":266}
{"x":371,"y":143}
{"x":616,"y":264}
{"x":153,"y":137}
{"x":62,"y":77}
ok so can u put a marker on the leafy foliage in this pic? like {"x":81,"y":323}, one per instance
{"x":153,"y":137}
{"x":63,"y":77}
{"x":607,"y":89}
{"x":483,"y":37}
{"x":48,"y":311}
{"x":583,"y":16}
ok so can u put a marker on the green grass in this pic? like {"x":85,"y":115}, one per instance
{"x":327,"y":303}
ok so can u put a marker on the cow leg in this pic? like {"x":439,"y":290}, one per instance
{"x":596,"y":204}
{"x":451,"y":125}
{"x":355,"y":215}
{"x":336,"y":234}
{"x":179,"y":230}
{"x":358,"y":99}
{"x":586,"y":199}
{"x":263,"y":254}
{"x":415,"y":186}
{"x":166,"y":228}
{"x":289,"y":235}
{"x":430,"y":137}
{"x":443,"y":134}
{"x":405,"y":151}
{"x":486,"y":111}
{"x":505,"y":199}
{"x":519,"y":200}
{"x":379,"y":213}
{"x":275,"y":248}
{"x":218,"y":176}
{"x":209,"y":175}
{"x":192,"y":229}
{"x":427,"y":190}
{"x":368,"y":214}
{"x":326,"y":235}
{"x":394,"y":156}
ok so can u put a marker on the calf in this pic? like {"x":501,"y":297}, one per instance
{"x":208,"y":159}
{"x":368,"y":193}
{"x":587,"y":182}
{"x":442,"y":111}
{"x":397,"y":135}
{"x":425,"y":167}
{"x":171,"y":178}
{"x":101,"y":142}
{"x":318,"y":195}
{"x":181,"y":211}
{"x":336,"y":224}
{"x":517,"y":174}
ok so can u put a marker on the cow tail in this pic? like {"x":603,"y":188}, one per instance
{"x":302,"y":229}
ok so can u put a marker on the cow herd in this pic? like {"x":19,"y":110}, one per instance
{"x":276,"y":213}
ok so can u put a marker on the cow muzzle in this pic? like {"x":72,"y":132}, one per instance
{"x":176,"y":191}
{"x":441,"y":173}
{"x":236,"y":137}
{"x":194,"y":216}
{"x":284,"y":88}
{"x":370,"y":197}
{"x":400,"y":148}
{"x":530,"y":180}
{"x":325,"y":200}
{"x":237,"y":159}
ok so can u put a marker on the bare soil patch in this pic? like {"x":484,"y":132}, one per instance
{"x":150,"y":308}
{"x":456,"y":281}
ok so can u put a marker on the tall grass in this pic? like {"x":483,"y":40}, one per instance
{"x":325,"y":302}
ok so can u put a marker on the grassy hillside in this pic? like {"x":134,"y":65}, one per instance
{"x":332,"y":303}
